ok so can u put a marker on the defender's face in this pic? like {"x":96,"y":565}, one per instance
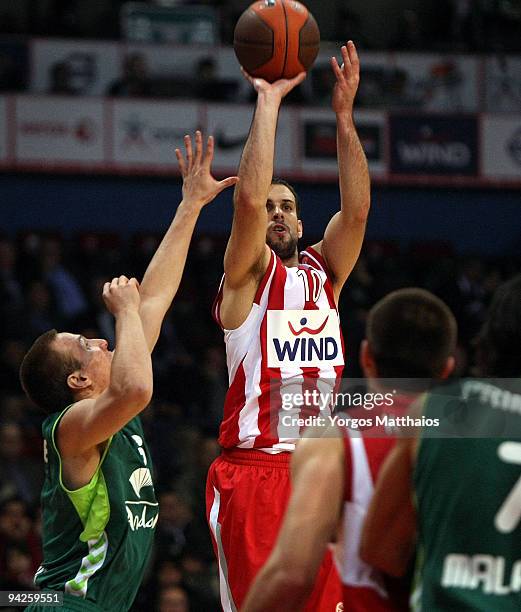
{"x":93,"y":354}
{"x":284,"y":228}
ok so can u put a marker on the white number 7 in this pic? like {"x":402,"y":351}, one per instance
{"x":509,"y":515}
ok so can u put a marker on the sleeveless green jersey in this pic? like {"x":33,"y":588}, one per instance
{"x":468,"y":495}
{"x":97,"y":539}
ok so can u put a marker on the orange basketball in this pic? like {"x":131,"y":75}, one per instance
{"x":275,"y":39}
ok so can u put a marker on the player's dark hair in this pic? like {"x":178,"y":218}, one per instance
{"x":499,"y":342}
{"x":44,"y":372}
{"x":279,"y":181}
{"x":411,"y":333}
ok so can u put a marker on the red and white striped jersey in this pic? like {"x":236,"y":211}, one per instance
{"x":365,"y":588}
{"x":290,"y":343}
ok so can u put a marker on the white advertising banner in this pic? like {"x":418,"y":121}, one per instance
{"x":230,"y":126}
{"x":58,"y":130}
{"x":501,"y":147}
{"x":3,"y":129}
{"x":447,"y":83}
{"x":89,"y":67}
{"x":168,"y":60}
{"x":318,"y":153}
{"x":503,"y":84}
{"x":146,"y":134}
{"x":429,"y":82}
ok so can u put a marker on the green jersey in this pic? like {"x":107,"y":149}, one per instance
{"x":97,"y":539}
{"x":468,"y":494}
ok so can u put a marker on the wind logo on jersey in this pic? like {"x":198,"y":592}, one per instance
{"x":312,"y":332}
{"x":303,"y":338}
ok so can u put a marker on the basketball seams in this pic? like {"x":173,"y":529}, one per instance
{"x":286,"y":39}
{"x":260,"y":21}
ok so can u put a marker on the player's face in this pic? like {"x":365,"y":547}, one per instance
{"x":284,"y":227}
{"x":93,"y":354}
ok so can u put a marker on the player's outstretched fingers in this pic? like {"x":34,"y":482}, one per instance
{"x":353,"y":54}
{"x":336,"y":68}
{"x":189,"y":155}
{"x":208,"y":156}
{"x":227,"y":182}
{"x":247,"y":76}
{"x":298,"y":79}
{"x":181,"y":162}
{"x":198,"y":147}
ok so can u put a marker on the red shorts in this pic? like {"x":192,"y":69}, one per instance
{"x":246,"y":495}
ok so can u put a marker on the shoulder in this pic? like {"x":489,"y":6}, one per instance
{"x":51,"y":422}
{"x":312,"y":256}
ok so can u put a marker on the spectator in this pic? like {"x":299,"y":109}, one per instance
{"x":173,"y":599}
{"x":17,"y":531}
{"x":410,"y":32}
{"x":173,"y":525}
{"x":60,"y":79}
{"x":211,"y":390}
{"x":18,"y":572}
{"x":208,"y":86}
{"x":135,"y":81}
{"x":20,"y":476}
{"x":40,"y":314}
{"x":11,"y":355}
{"x":11,"y":293}
{"x":67,"y":292}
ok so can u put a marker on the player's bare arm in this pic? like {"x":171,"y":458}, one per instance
{"x":90,"y":422}
{"x":389,"y":533}
{"x":310,"y":523}
{"x":345,"y":232}
{"x":163,"y":275}
{"x":247,"y":256}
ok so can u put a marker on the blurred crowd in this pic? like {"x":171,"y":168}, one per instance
{"x":49,"y":281}
{"x":448,"y":25}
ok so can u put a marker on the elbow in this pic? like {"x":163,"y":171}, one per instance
{"x":298,"y":581}
{"x":139,"y":395}
{"x":356,"y":215}
{"x":245,"y":201}
{"x":362,"y":212}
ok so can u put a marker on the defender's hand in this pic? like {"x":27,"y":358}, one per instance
{"x":347,"y":79}
{"x":199,"y":186}
{"x":279,"y":89}
{"x":121,"y":295}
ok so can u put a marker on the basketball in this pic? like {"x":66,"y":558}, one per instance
{"x":276,"y":39}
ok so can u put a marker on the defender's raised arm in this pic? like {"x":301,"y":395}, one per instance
{"x":163,"y":275}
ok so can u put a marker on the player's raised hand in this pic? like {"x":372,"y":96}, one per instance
{"x":280,"y":88}
{"x":347,"y":79}
{"x":199,"y":186}
{"x":121,"y":294}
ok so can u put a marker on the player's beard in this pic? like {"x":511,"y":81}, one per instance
{"x":285,"y":249}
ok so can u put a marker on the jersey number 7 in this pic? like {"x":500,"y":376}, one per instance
{"x":509,"y":515}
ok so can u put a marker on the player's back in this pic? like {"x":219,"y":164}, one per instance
{"x":290,"y":343}
{"x":468,"y":492}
